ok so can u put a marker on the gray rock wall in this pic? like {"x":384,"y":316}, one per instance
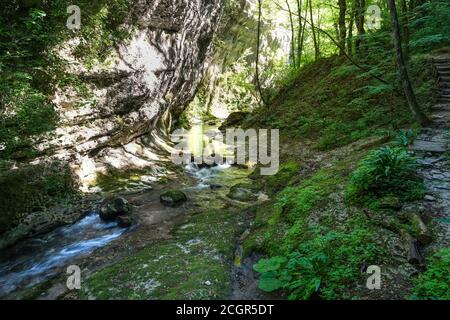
{"x":148,"y":81}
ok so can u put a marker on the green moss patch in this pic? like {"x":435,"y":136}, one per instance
{"x":434,"y":283}
{"x":31,"y":189}
{"x":195,"y":264}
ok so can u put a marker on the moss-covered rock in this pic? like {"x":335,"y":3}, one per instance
{"x":244,"y":192}
{"x":111,"y":209}
{"x":124,"y":221}
{"x":173,"y":198}
{"x":234,"y":119}
{"x":33,"y":188}
{"x":274,"y":183}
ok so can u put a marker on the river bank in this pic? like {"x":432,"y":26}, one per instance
{"x":195,"y":241}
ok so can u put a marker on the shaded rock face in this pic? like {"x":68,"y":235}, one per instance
{"x":147,"y":81}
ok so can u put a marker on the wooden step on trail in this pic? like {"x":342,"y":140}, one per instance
{"x":441,"y":60}
{"x":441,"y":107}
{"x":429,"y":146}
{"x":443,"y":67}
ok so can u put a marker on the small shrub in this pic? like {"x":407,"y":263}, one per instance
{"x":324,"y":265}
{"x":385,"y":171}
{"x":405,"y":137}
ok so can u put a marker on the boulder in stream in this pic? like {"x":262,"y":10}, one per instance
{"x":215,"y":186}
{"x":124,"y":221}
{"x":111,"y":209}
{"x":173,"y":198}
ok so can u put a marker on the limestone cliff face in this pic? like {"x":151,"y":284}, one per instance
{"x":147,"y":81}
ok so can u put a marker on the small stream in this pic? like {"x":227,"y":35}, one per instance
{"x":205,"y":175}
{"x":36,"y":259}
{"x":33,"y":260}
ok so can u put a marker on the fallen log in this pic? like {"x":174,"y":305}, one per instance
{"x":412,"y":250}
{"x":423,"y":235}
{"x":413,"y":254}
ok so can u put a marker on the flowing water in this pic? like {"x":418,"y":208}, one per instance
{"x":36,"y":259}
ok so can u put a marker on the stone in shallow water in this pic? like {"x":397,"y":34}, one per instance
{"x":112,"y":208}
{"x":124,"y":221}
{"x":215,"y":186}
{"x":173,"y":198}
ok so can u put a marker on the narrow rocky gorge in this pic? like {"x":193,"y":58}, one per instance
{"x":152,"y":78}
{"x":135,"y":96}
{"x":92,"y":119}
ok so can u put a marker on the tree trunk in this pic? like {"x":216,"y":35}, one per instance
{"x":300,"y":31}
{"x":293,"y":53}
{"x":413,"y":254}
{"x":350,"y":30}
{"x":405,"y":27}
{"x":316,"y":48}
{"x":318,"y":33}
{"x":360,"y":43}
{"x":423,"y":234}
{"x":258,"y":44}
{"x":342,"y":27}
{"x":404,"y":77}
{"x":302,"y":39}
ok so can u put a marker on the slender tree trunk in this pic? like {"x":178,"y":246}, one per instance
{"x":342,"y":27}
{"x":300,"y":31}
{"x":316,"y":48}
{"x":291,"y":19}
{"x":302,"y":39}
{"x":360,"y":43}
{"x":404,"y":77}
{"x":350,"y":30}
{"x":258,"y":44}
{"x":405,"y":27}
{"x":318,"y":33}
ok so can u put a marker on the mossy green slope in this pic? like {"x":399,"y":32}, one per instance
{"x":195,"y":264}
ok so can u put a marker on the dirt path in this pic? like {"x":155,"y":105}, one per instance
{"x":431,"y":148}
